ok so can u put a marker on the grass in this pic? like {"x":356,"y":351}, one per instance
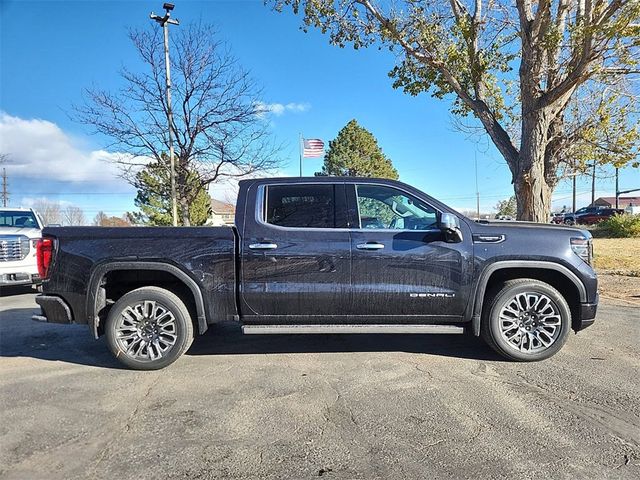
{"x":620,"y":255}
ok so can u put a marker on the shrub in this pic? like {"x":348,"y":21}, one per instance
{"x":621,"y":226}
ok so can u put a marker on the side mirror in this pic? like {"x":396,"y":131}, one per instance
{"x":450,"y":226}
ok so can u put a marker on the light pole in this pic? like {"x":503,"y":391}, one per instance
{"x":165,"y":22}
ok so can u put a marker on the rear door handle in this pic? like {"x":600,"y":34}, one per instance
{"x":370,"y":246}
{"x":263,"y":246}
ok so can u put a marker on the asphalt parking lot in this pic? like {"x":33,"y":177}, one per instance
{"x":332,"y":406}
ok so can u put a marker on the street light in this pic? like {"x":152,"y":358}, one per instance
{"x":165,"y":21}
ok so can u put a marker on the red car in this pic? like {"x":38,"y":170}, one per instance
{"x":598,"y":216}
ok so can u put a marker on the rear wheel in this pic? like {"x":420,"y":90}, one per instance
{"x":149,"y":328}
{"x":526,"y":320}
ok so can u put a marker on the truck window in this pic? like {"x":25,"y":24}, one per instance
{"x":311,"y":206}
{"x":387,"y":208}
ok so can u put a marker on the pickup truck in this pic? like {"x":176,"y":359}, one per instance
{"x":322,"y":255}
{"x":20,"y":230}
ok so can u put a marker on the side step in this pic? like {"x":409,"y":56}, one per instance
{"x":325,"y":329}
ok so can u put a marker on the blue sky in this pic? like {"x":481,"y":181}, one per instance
{"x":47,"y":63}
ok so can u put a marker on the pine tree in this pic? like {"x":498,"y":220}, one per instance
{"x":154,"y":196}
{"x":355,"y":153}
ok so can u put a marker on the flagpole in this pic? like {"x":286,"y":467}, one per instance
{"x":300,"y":145}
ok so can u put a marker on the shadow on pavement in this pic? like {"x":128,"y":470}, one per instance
{"x":16,"y":290}
{"x":22,"y":337}
{"x":226,"y":338}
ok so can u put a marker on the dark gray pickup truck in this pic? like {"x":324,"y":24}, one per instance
{"x":322,"y":255}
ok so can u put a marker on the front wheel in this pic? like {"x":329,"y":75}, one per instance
{"x":526,"y":320}
{"x":148,"y":328}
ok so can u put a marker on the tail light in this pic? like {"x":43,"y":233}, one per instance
{"x":44,"y":255}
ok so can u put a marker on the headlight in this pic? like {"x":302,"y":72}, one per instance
{"x":583,"y":247}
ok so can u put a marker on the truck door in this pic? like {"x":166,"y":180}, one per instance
{"x":295,"y":253}
{"x":401,"y":265}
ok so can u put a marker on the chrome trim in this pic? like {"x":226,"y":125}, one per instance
{"x":488,"y":238}
{"x":370,"y":246}
{"x":260,"y":205}
{"x":350,"y":329}
{"x":263,"y":246}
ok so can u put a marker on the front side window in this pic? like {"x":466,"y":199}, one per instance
{"x":310,"y":206}
{"x":382,"y":207}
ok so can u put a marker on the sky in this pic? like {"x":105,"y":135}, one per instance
{"x":50,"y":51}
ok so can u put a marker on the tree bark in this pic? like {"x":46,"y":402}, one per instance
{"x":532,"y":188}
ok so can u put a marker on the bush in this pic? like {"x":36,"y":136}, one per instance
{"x":621,"y":226}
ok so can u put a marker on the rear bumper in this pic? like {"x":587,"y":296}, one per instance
{"x":53,"y":310}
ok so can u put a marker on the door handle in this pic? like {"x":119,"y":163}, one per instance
{"x":263,"y":246}
{"x":370,"y":246}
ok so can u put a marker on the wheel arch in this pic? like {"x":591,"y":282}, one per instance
{"x":96,"y":297}
{"x":558,"y":276}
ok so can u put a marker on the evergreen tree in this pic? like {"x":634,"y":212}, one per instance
{"x":355,"y":153}
{"x":154,"y":196}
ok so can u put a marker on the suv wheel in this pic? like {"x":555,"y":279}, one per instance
{"x":149,"y":328}
{"x":526,"y":320}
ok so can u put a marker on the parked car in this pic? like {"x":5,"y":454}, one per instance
{"x":20,"y":229}
{"x":558,"y":218}
{"x":572,"y":218}
{"x":598,"y":216}
{"x":322,"y":255}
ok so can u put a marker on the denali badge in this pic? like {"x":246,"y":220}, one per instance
{"x":432,"y":295}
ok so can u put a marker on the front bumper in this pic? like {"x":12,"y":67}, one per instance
{"x":53,"y":310}
{"x":19,"y":278}
{"x":587,"y":314}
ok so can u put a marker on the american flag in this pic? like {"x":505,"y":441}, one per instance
{"x":312,"y":147}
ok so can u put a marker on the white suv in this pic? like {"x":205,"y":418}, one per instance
{"x":20,"y":229}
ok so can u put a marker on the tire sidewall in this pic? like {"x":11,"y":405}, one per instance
{"x":184,"y":327}
{"x":506,"y":295}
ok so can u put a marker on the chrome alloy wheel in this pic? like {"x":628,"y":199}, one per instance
{"x":530,"y":322}
{"x":146,"y":330}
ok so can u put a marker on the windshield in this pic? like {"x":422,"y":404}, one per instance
{"x":18,"y":219}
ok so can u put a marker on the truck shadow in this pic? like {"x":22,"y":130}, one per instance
{"x":226,"y":338}
{"x":22,"y":337}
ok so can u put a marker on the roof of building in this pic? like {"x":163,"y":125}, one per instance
{"x":222,"y":207}
{"x":622,"y":201}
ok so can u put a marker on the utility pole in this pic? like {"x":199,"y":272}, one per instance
{"x":593,"y":184}
{"x":5,"y":185}
{"x":475,"y":157}
{"x":574,"y":192}
{"x":165,"y":22}
{"x":617,"y":189}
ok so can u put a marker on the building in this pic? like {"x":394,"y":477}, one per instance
{"x":222,"y":213}
{"x":610,"y":202}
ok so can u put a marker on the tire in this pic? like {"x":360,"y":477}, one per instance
{"x":148,"y":328}
{"x":570,"y":221}
{"x":525,"y":320}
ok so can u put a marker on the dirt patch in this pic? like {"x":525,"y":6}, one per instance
{"x":620,"y":287}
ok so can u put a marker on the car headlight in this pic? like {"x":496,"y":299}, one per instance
{"x":583,"y":247}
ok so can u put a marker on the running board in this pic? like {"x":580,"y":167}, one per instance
{"x":322,"y":329}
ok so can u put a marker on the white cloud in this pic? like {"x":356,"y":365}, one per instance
{"x":279,"y":109}
{"x":41,"y":149}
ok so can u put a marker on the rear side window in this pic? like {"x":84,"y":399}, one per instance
{"x":311,"y":206}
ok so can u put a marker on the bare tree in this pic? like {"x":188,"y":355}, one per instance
{"x":49,"y":211}
{"x":219,"y":122}
{"x":103,"y":220}
{"x":514,"y":66}
{"x":73,"y":216}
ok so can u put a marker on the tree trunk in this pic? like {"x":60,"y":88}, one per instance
{"x":533,"y":192}
{"x":182,"y":192}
